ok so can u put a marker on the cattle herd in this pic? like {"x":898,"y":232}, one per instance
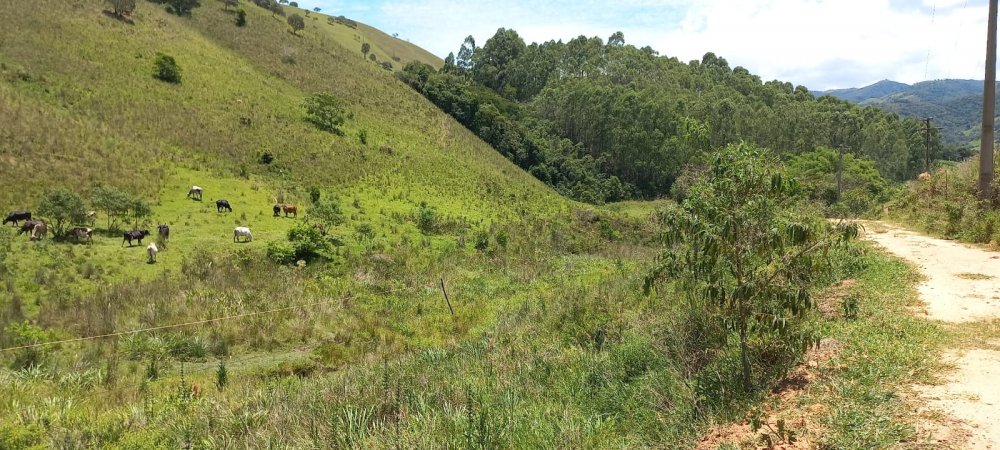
{"x":38,"y":229}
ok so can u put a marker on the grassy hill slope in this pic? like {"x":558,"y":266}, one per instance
{"x":94,"y":75}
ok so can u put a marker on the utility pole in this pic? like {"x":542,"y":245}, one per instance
{"x":927,"y":144}
{"x":989,"y":107}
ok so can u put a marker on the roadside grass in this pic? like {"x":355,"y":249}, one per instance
{"x":866,"y":393}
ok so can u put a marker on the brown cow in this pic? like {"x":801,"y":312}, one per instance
{"x":290,"y":209}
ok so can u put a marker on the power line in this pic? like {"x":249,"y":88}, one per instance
{"x":185,"y":324}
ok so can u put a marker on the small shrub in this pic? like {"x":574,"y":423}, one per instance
{"x":26,"y":333}
{"x":289,"y":55}
{"x":296,"y":22}
{"x":428,"y":218}
{"x":241,"y":18}
{"x":265,"y":158}
{"x":281,"y":252}
{"x":363,"y":137}
{"x":325,"y":111}
{"x":327,"y":210}
{"x":221,"y":376}
{"x":122,"y":8}
{"x":165,"y":68}
{"x":481,"y":241}
{"x":314,"y":194}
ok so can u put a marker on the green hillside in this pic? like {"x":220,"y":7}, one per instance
{"x":429,"y":293}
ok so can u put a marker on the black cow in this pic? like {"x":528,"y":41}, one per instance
{"x":134,"y":235}
{"x":223,"y":204}
{"x":164,"y":232}
{"x":28,"y":227}
{"x":17,"y":216}
{"x":277,"y":210}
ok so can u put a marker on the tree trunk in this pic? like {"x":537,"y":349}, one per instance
{"x":744,"y":357}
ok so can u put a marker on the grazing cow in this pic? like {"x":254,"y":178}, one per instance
{"x":924,"y":176}
{"x":195,"y":193}
{"x":223,"y":204}
{"x":276,"y":209}
{"x":82,"y":234}
{"x":290,"y":209}
{"x":152,"y":250}
{"x":28,"y":226}
{"x":164,"y":232}
{"x":136,"y":235}
{"x":39,"y":231}
{"x":242,"y":232}
{"x":17,"y":216}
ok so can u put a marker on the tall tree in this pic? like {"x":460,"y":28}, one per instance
{"x":465,"y":53}
{"x":490,"y":63}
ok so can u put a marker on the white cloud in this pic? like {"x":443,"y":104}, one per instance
{"x":818,"y":43}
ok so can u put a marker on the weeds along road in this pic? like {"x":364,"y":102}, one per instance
{"x":961,"y":289}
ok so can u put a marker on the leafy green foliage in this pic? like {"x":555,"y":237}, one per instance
{"x":862,"y":186}
{"x":579,"y":113}
{"x":428,"y":218}
{"x":557,"y":162}
{"x":64,"y":207}
{"x":328,"y":211}
{"x":241,"y":18}
{"x":296,"y":22}
{"x":221,"y":376}
{"x":122,"y":8}
{"x":25,"y":333}
{"x":325,"y":111}
{"x":180,"y":7}
{"x":165,"y":68}
{"x":740,"y":247}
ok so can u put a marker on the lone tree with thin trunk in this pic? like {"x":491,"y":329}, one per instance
{"x":740,"y":247}
{"x":296,"y":22}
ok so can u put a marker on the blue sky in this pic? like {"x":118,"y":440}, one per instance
{"x":821,"y":44}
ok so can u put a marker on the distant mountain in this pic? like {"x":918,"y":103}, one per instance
{"x":856,"y":95}
{"x":955,"y":105}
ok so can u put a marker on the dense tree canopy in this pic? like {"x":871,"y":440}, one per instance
{"x":621,"y":117}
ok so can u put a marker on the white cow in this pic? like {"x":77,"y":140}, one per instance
{"x":152,"y":250}
{"x":244,"y":232}
{"x":195,"y":192}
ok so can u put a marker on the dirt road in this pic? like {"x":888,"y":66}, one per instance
{"x":962,"y":285}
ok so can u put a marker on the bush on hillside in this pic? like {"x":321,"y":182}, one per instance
{"x":62,"y":207}
{"x":428,"y":218}
{"x":241,"y":18}
{"x":122,"y":8}
{"x":325,"y":111}
{"x":270,"y":5}
{"x":296,"y":22}
{"x":165,"y":68}
{"x":747,"y":255}
{"x":328,"y":211}
{"x":179,"y":7}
